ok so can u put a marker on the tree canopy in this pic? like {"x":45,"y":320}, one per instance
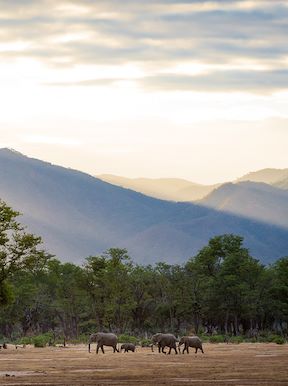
{"x":221,"y":288}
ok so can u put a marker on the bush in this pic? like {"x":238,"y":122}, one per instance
{"x":217,"y":339}
{"x":276,"y":339}
{"x":42,"y":340}
{"x":145,"y":342}
{"x":236,"y":339}
{"x":128,"y":339}
{"x":25,"y":340}
{"x":204,"y":338}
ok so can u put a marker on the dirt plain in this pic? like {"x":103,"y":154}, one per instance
{"x":221,"y":364}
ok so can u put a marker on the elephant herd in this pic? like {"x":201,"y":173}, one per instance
{"x":161,"y":340}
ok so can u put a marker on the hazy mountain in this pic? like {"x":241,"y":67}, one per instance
{"x":268,"y":176}
{"x":255,"y":200}
{"x":79,"y":215}
{"x":282,"y":184}
{"x":174,"y":189}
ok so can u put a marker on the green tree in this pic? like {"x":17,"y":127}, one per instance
{"x":19,"y":250}
{"x":108,"y":285}
{"x":279,"y":292}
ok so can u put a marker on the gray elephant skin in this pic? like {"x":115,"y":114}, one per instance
{"x":128,"y":347}
{"x":164,"y":340}
{"x":190,"y":341}
{"x":103,"y":339}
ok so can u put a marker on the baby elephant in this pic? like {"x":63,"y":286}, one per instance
{"x":128,"y":347}
{"x":190,"y":341}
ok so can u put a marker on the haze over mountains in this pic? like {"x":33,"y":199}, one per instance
{"x":177,"y":189}
{"x":252,"y":200}
{"x":79,"y":215}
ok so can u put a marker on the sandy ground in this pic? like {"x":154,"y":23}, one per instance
{"x":222,"y":364}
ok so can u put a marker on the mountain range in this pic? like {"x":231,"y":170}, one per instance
{"x":176,"y":189}
{"x":79,"y":215}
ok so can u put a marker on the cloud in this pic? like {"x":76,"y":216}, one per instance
{"x":235,"y":81}
{"x":154,"y":35}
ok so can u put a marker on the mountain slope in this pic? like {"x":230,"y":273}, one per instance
{"x":268,"y":176}
{"x":258,"y":201}
{"x":174,"y":189}
{"x":79,"y":215}
{"x":282,"y":184}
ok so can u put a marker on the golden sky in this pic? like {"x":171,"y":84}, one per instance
{"x":192,"y":89}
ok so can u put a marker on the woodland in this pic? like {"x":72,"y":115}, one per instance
{"x":221,"y":292}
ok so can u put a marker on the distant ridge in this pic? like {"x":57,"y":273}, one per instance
{"x":79,"y":215}
{"x":174,"y":189}
{"x":268,"y":176}
{"x":255,"y":200}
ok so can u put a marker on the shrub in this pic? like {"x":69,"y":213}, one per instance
{"x":204,"y":338}
{"x":42,"y":340}
{"x":236,"y":339}
{"x":128,"y":339}
{"x":25,"y":340}
{"x":217,"y":339}
{"x":276,"y":339}
{"x":145,"y":342}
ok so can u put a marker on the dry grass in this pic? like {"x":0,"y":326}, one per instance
{"x":222,"y":364}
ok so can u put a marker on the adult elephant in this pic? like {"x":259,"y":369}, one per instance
{"x":103,"y":339}
{"x":165,"y":340}
{"x":190,"y":341}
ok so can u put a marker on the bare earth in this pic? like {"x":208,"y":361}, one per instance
{"x":222,"y":364}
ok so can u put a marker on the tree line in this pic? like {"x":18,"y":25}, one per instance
{"x":222,"y":288}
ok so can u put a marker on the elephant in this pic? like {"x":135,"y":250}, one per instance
{"x":164,"y":340}
{"x":128,"y":347}
{"x":190,"y":341}
{"x":103,"y":339}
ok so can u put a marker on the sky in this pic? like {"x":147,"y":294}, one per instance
{"x":154,"y":88}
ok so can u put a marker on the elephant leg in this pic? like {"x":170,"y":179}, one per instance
{"x":170,"y":348}
{"x":97,"y":349}
{"x":164,"y":352}
{"x":187,"y":349}
{"x":115,"y":349}
{"x":196,"y":349}
{"x":175,"y":350}
{"x":202,"y":350}
{"x":102,"y":349}
{"x":183,"y":350}
{"x":159,"y":348}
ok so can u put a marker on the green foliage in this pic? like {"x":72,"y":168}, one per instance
{"x":19,"y":251}
{"x":145,"y":342}
{"x":217,"y":339}
{"x":279,"y":340}
{"x":222,"y":289}
{"x":25,"y":340}
{"x":275,"y":339}
{"x":42,"y":340}
{"x":236,"y":339}
{"x":128,"y":339}
{"x":6,"y":293}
